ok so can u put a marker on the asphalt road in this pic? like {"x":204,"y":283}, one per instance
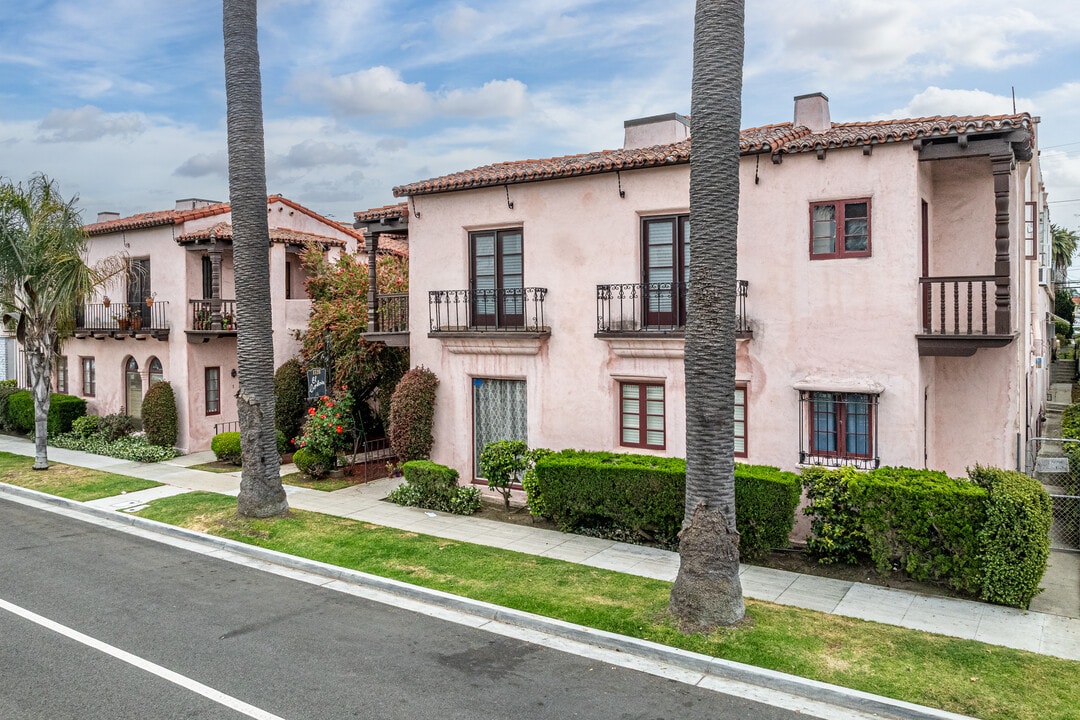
{"x":269,"y":646}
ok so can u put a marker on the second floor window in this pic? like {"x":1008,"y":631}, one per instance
{"x":840,"y":229}
{"x":497,"y":277}
{"x":665,"y":269}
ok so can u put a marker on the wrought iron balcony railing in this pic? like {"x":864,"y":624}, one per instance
{"x":119,"y":317}
{"x":489,"y":310}
{"x":205,"y":317}
{"x":654,"y":307}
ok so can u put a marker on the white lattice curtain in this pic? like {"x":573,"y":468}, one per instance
{"x":499,"y":413}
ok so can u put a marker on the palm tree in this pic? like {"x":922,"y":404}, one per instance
{"x":707,"y":592}
{"x":43,"y":277}
{"x":261,"y":493}
{"x":1063,"y":248}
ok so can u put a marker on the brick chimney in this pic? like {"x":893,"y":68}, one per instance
{"x":107,"y":216}
{"x":812,"y":111}
{"x":655,"y":130}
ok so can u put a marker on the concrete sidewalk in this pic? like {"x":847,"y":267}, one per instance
{"x":1045,"y":633}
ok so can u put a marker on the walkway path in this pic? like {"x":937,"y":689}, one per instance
{"x":1045,"y":633}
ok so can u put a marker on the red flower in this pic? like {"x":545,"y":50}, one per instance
{"x":339,"y":428}
{"x":293,"y":441}
{"x":311,"y":411}
{"x":322,"y":417}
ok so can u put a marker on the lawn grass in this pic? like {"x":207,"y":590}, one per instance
{"x":67,"y":481}
{"x":299,"y":479}
{"x":958,"y":675}
{"x":216,"y":467}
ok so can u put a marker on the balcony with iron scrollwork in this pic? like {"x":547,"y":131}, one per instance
{"x":655,"y":309}
{"x":491,"y":321}
{"x":959,"y":316}
{"x":119,"y":320}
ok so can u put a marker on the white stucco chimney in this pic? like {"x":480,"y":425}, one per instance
{"x":655,"y":130}
{"x":812,"y":111}
{"x":107,"y":216}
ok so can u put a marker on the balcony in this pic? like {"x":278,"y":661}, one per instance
{"x":959,"y":316}
{"x":495,"y":310}
{"x":650,"y":310}
{"x":211,"y":318}
{"x":389,"y":324}
{"x":121,"y":320}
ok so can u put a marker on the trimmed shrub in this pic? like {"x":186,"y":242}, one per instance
{"x":116,"y":426}
{"x":765,"y":502}
{"x":7,"y":389}
{"x":835,"y":530}
{"x":313,"y":463}
{"x":226,"y":447}
{"x":435,"y":487}
{"x":534,"y":493}
{"x":159,"y":414}
{"x":1015,"y":539}
{"x":63,"y":410}
{"x":290,"y":397}
{"x":1070,"y":429}
{"x":505,"y":461}
{"x":412,"y":415}
{"x":922,"y":522}
{"x":86,"y":426}
{"x":126,"y":448}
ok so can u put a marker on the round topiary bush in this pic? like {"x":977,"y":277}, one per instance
{"x":226,"y":447}
{"x":290,"y":396}
{"x":159,"y":415}
{"x":313,"y":464}
{"x":412,"y":415}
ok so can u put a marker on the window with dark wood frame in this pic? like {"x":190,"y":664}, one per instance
{"x":207,"y":277}
{"x":61,"y":374}
{"x":497,"y":277}
{"x":89,"y":380}
{"x":840,"y":229}
{"x":741,"y":447}
{"x":288,"y":280}
{"x":213,"y":391}
{"x":641,"y":413}
{"x":841,"y":424}
{"x":665,"y":269}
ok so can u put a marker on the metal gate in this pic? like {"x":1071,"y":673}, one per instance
{"x":1048,"y":462}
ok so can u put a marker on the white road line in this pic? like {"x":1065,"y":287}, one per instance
{"x":153,"y":668}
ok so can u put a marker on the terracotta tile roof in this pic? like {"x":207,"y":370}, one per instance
{"x":779,"y":138}
{"x":395,"y":244}
{"x":223,"y":231}
{"x":387,"y":211}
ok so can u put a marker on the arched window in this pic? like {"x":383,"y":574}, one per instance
{"x":133,"y":388}
{"x":155,"y":371}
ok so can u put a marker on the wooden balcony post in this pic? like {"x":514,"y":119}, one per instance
{"x":215,"y":283}
{"x":1002,"y":166}
{"x":371,"y":244}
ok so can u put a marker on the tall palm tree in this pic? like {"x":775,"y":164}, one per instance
{"x":44,"y":275}
{"x":1063,"y":248}
{"x":261,"y":493}
{"x":707,"y":592}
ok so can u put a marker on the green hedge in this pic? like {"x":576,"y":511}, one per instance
{"x":987,"y":537}
{"x":435,"y":487}
{"x":644,"y":495}
{"x":314,"y":464}
{"x":7,"y":389}
{"x":159,"y":414}
{"x":63,"y":410}
{"x":1070,"y":428}
{"x":922,"y":522}
{"x":1015,"y":539}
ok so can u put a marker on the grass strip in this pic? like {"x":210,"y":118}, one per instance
{"x":961,"y":676}
{"x":67,"y":481}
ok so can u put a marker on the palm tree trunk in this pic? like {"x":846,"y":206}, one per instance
{"x":707,"y":592}
{"x":261,"y":493}
{"x":38,"y":365}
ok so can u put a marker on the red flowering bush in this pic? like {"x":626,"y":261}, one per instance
{"x":329,"y":426}
{"x":412,"y":415}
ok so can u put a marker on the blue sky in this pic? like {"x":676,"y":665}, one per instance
{"x":122,"y":101}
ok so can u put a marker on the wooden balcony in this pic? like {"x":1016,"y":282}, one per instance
{"x":650,"y":310}
{"x":122,"y":320}
{"x":958,"y":316}
{"x":389,"y":324}
{"x":211,"y":318}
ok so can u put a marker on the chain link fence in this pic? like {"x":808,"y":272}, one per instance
{"x":1048,"y":462}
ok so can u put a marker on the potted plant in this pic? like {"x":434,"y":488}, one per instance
{"x":202,"y":319}
{"x":228,"y":321}
{"x":122,"y":320}
{"x":136,"y":319}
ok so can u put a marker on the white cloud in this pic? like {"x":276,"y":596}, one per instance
{"x":496,"y":98}
{"x":205,"y":164}
{"x":941,"y":101}
{"x":89,"y":123}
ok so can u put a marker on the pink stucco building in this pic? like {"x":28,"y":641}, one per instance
{"x":173,"y":316}
{"x":893,"y":308}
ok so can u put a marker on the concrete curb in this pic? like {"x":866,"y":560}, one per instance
{"x":680,"y":659}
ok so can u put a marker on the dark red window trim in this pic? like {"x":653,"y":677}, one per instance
{"x":840,"y":402}
{"x":840,"y":217}
{"x":643,"y":416}
{"x":746,"y":425}
{"x":217,"y":390}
